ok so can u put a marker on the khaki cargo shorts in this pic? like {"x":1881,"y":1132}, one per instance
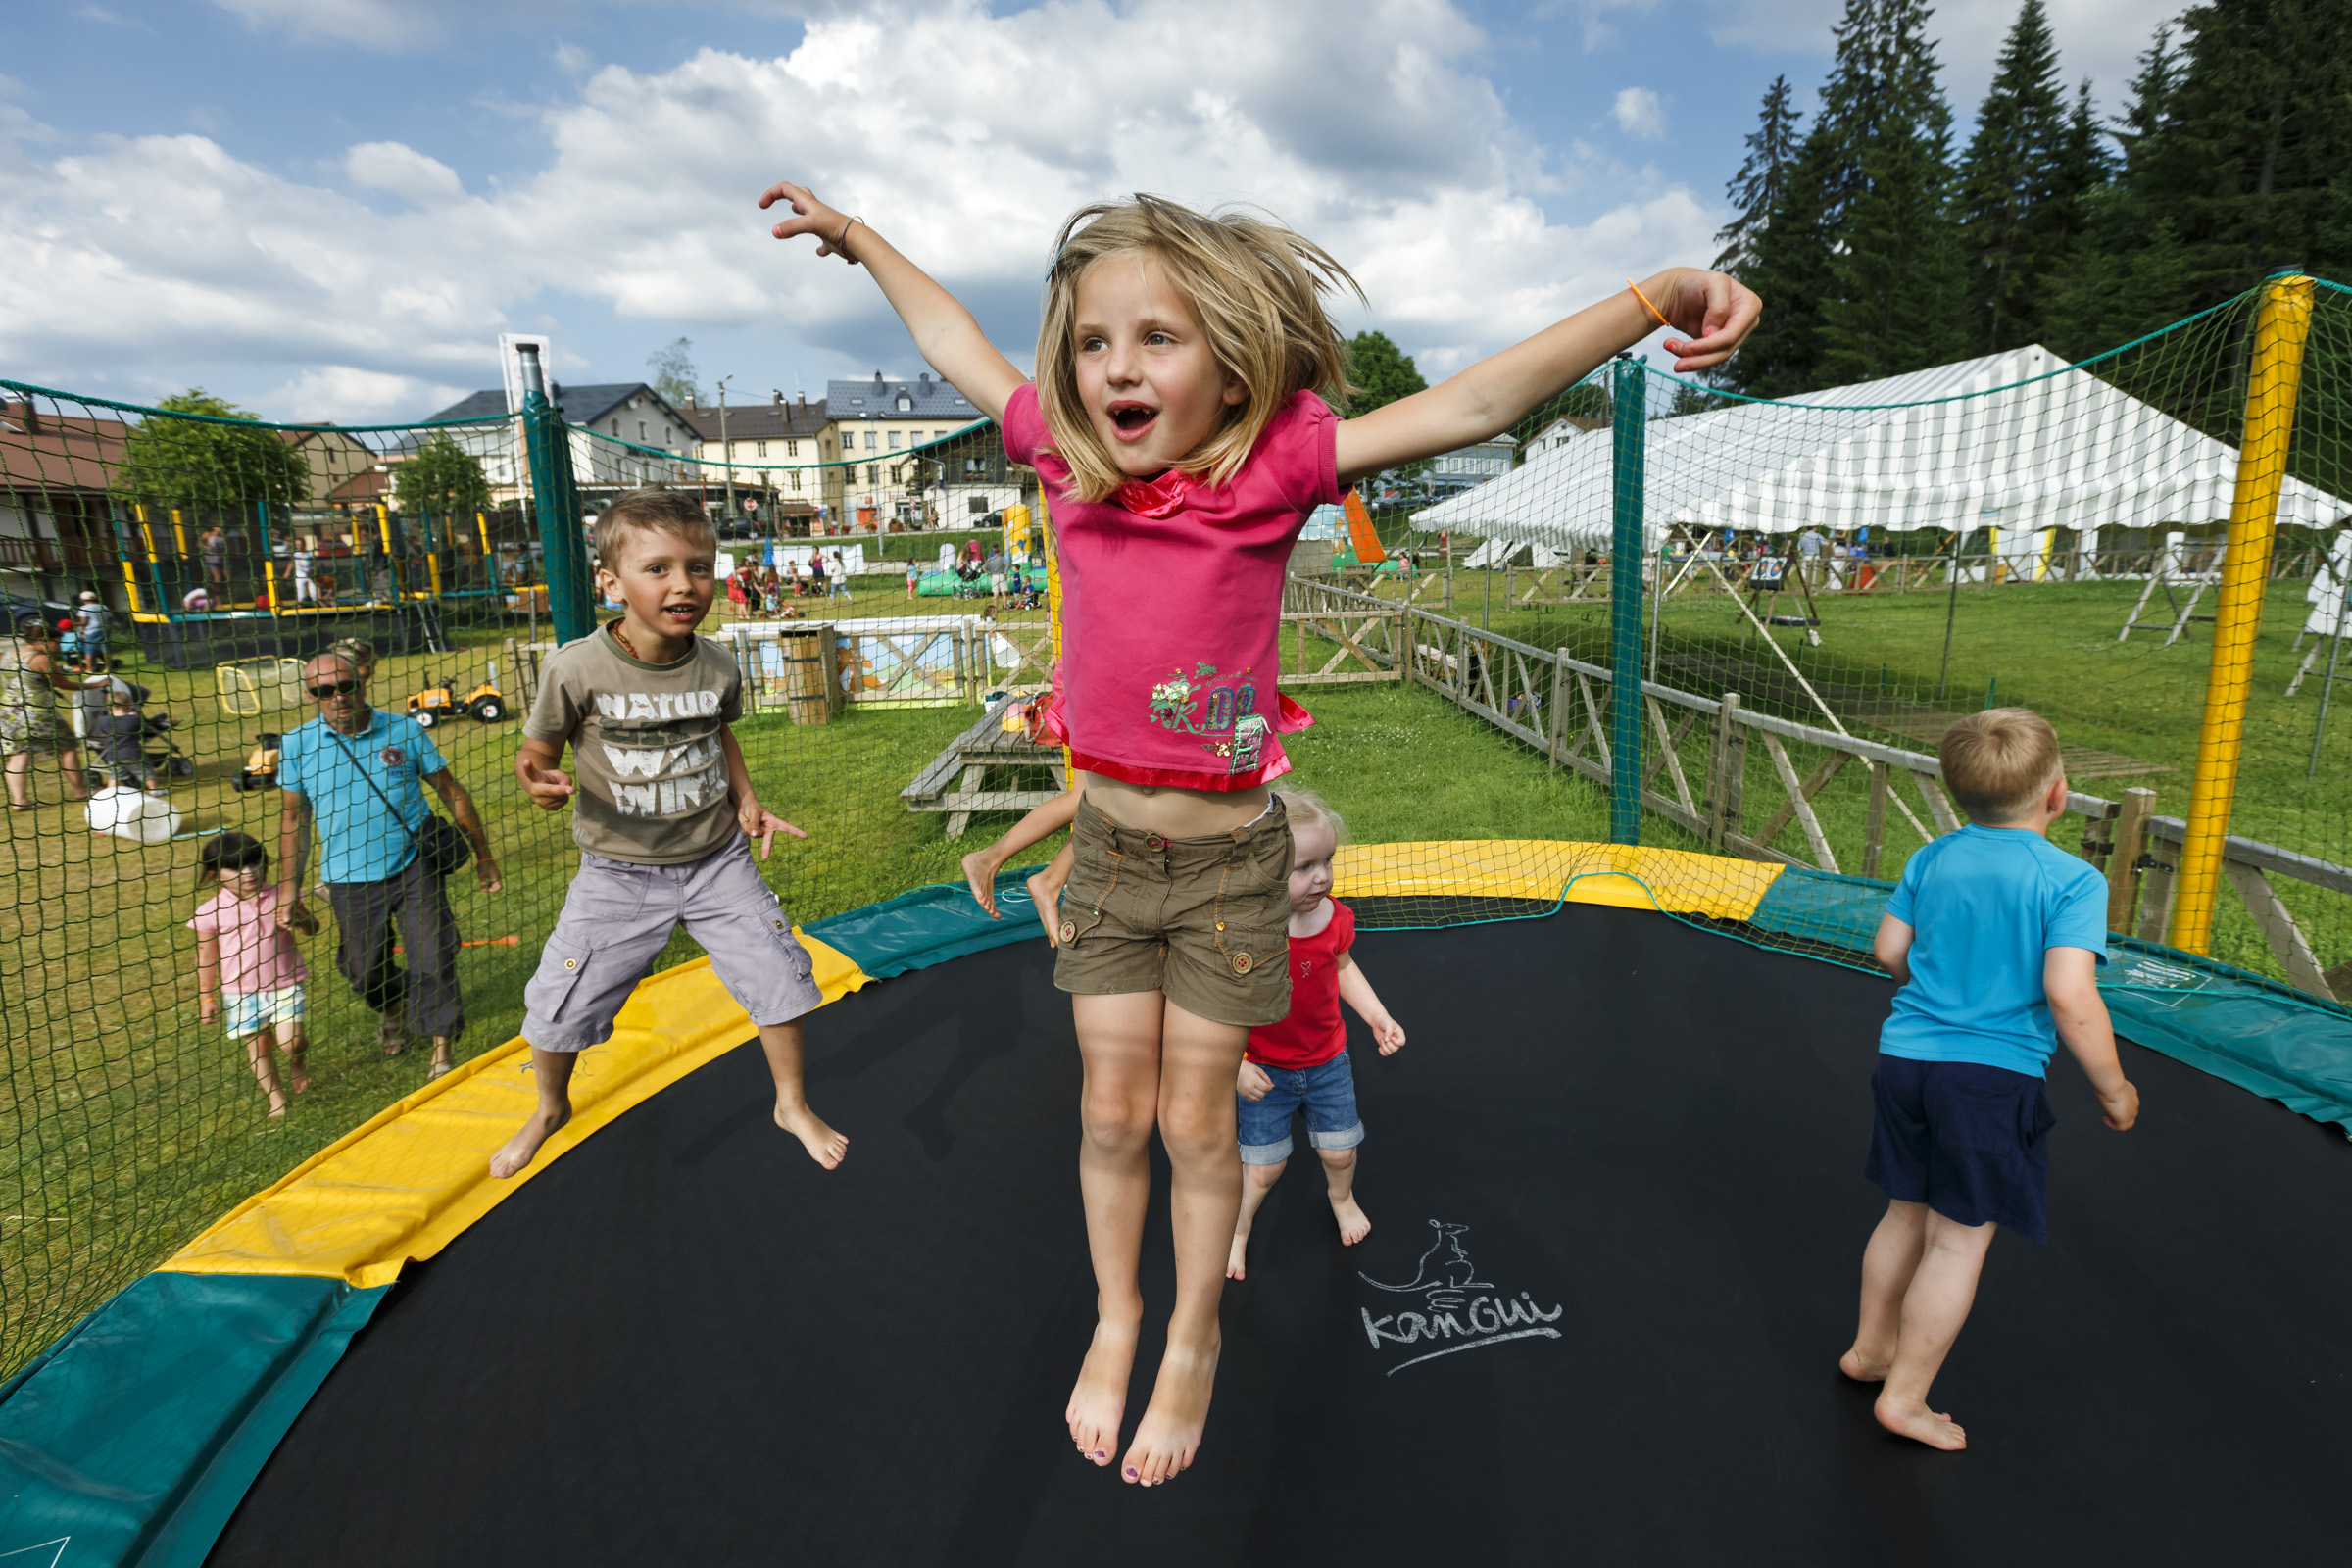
{"x":1204,"y":921}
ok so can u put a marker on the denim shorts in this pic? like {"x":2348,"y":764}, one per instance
{"x":1968,"y":1141}
{"x":619,"y":916}
{"x":249,"y":1013}
{"x":1328,"y":1093}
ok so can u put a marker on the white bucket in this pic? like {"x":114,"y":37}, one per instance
{"x":132,"y":814}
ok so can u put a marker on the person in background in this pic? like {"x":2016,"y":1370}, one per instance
{"x":90,"y":614}
{"x":246,"y":957}
{"x":32,"y":670}
{"x":119,"y":737}
{"x":300,"y":562}
{"x":840,"y":578}
{"x":214,"y":544}
{"x":358,"y":772}
{"x":914,"y":579}
{"x":995,"y":569}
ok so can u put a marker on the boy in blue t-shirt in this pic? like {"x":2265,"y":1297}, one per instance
{"x":1995,"y":936}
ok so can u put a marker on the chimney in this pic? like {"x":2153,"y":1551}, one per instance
{"x":803,"y":400}
{"x":877,"y":380}
{"x":926,"y":381}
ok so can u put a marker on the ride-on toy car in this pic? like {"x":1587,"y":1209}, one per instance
{"x":260,"y":772}
{"x":435,"y":704}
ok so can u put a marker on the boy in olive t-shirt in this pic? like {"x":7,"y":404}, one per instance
{"x":664,"y":812}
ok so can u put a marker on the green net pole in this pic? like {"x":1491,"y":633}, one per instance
{"x":1626,"y":561}
{"x":570,"y":603}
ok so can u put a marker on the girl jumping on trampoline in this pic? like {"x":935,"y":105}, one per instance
{"x":1177,"y":420}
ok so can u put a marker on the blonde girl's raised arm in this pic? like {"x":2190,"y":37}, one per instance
{"x":1713,"y":311}
{"x":944,"y":331}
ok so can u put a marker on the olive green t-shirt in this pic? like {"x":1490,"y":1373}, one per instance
{"x":651,"y":776}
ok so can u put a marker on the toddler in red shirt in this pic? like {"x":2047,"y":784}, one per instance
{"x":1302,"y":1063}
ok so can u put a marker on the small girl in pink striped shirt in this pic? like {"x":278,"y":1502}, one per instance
{"x":1179,"y":422}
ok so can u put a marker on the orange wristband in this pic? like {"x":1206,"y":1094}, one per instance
{"x":1637,"y":294}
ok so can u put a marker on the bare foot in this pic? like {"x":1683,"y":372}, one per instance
{"x":1353,"y":1226}
{"x":1919,"y":1423}
{"x":298,"y":1072}
{"x":981,"y":875}
{"x":1048,"y":908}
{"x":524,"y":1144}
{"x":277,"y":1102}
{"x":1099,"y":1399}
{"x":1863,"y":1368}
{"x":1169,"y":1435}
{"x":1237,"y":1261}
{"x":825,"y":1146}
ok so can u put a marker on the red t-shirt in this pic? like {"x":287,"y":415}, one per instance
{"x":1172,"y":603}
{"x":1314,"y":1032}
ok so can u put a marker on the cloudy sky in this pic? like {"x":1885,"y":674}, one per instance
{"x":330,"y":209}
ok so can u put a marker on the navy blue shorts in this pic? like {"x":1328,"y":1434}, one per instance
{"x":1968,"y":1141}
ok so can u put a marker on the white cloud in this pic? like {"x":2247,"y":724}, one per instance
{"x":371,"y":23}
{"x":344,"y":395}
{"x":1638,"y":114}
{"x":166,"y":252}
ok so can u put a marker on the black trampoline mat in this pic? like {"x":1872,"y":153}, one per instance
{"x":684,"y":1344}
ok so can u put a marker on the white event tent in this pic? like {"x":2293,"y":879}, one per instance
{"x":2017,"y":442}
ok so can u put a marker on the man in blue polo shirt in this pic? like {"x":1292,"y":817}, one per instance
{"x":356,"y":770}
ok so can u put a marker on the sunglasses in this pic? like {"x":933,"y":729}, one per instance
{"x":341,"y":688}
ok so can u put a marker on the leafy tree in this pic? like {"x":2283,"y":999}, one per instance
{"x":673,"y":373}
{"x":440,"y":480}
{"x":2026,"y":168}
{"x":1761,"y":184}
{"x":224,"y":461}
{"x":1895,"y":300}
{"x":1381,"y":371}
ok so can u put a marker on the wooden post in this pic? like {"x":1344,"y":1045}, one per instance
{"x":2123,"y":858}
{"x":1730,"y":772}
{"x":1552,"y":746}
{"x":1873,"y":822}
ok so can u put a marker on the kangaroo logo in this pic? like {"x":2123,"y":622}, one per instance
{"x":1445,"y":1279}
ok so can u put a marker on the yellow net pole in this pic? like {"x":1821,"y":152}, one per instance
{"x":2282,"y":328}
{"x":1045,"y":522}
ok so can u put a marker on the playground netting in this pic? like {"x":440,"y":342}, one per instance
{"x":2035,"y":533}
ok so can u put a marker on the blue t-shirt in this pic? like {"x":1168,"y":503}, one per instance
{"x":1986,"y":902}
{"x":365,"y":841}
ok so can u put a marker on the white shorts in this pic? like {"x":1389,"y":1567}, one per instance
{"x":249,"y":1013}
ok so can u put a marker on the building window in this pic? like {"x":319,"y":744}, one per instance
{"x":760,"y":448}
{"x":617,"y":428}
{"x":869,"y":474}
{"x":894,"y":440}
{"x":796,"y":479}
{"x":870,"y":440}
{"x":791,"y":449}
{"x":641,"y":430}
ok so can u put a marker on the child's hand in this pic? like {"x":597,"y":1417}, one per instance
{"x":1720,"y":308}
{"x":1389,"y":1035}
{"x":2120,"y":1109}
{"x":764,"y":825}
{"x":208,"y":1008}
{"x":300,"y":918}
{"x":1253,"y":1082}
{"x":548,"y":787}
{"x":809,"y":217}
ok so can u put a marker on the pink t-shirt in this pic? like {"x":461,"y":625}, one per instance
{"x":1172,"y":606}
{"x":254,"y":953}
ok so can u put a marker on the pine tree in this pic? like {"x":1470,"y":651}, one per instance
{"x":2149,"y":105}
{"x":1774,"y":245}
{"x":2124,"y":273}
{"x":1895,"y":300}
{"x":2017,"y":189}
{"x":1763,"y":178}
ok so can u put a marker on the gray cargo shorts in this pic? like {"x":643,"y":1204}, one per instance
{"x":619,"y":916}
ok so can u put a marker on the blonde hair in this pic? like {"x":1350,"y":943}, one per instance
{"x":1305,"y":805}
{"x":1258,"y":288}
{"x":653,"y":510}
{"x":1997,"y":762}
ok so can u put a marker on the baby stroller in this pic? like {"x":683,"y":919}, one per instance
{"x":133,"y":750}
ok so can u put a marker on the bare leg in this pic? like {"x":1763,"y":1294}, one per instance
{"x":1339,"y":1177}
{"x":1118,"y":1043}
{"x":68,"y":762}
{"x":1943,"y":1289}
{"x":20,"y":780}
{"x":1256,"y":1182}
{"x":1198,"y":1062}
{"x":444,"y":1057}
{"x":551,"y":1070}
{"x":261,"y":1054}
{"x":980,"y":873}
{"x":1888,"y":1264}
{"x":298,"y":1074}
{"x":782,"y":1043}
